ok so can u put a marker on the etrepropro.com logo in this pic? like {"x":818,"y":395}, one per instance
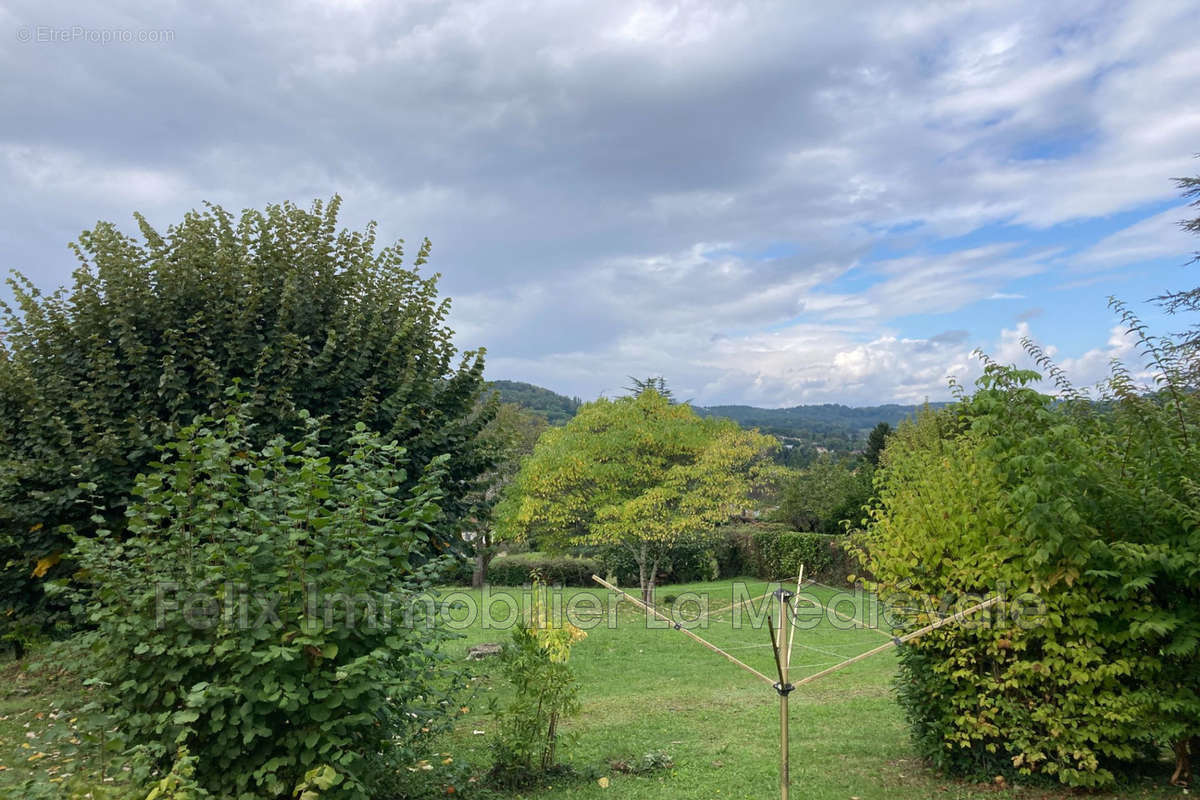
{"x":83,"y":34}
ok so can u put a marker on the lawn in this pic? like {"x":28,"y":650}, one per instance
{"x":647,"y":690}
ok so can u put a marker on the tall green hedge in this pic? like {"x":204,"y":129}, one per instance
{"x":1087,"y":515}
{"x":154,"y":330}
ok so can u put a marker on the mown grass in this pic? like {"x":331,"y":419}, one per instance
{"x":646,"y":690}
{"x":643,"y":690}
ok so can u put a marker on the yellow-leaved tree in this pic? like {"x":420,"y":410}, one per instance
{"x":639,"y":472}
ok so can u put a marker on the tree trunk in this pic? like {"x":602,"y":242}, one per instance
{"x":479,"y":576}
{"x":645,"y":582}
{"x":1184,"y":750}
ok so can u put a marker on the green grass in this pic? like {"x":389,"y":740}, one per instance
{"x":653,"y":689}
{"x":645,"y":690}
{"x":39,"y":704}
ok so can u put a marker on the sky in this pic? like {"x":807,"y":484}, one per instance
{"x":769,"y":203}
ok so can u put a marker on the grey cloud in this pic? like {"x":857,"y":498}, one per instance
{"x":594,"y":174}
{"x":950,"y":337}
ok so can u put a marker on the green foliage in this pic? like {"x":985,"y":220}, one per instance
{"x":876,"y":441}
{"x":1187,"y":300}
{"x":773,"y":551}
{"x":555,"y":408}
{"x":1087,"y":517}
{"x":258,"y":612}
{"x":309,"y":320}
{"x":778,"y":556}
{"x":555,"y":569}
{"x":704,"y":559}
{"x":512,"y":433}
{"x":180,"y":781}
{"x":545,"y":692}
{"x":637,"y":472}
{"x":825,"y":497}
{"x":654,"y":383}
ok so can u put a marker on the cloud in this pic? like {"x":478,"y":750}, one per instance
{"x":1159,"y":236}
{"x":759,"y":197}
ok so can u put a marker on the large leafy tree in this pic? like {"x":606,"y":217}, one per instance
{"x":638,"y":472}
{"x":823,"y":496}
{"x":513,"y":432}
{"x":155,"y":330}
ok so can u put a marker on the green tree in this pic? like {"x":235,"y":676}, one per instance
{"x":655,"y":383}
{"x":308,"y":319}
{"x":639,"y":472}
{"x":514,"y":431}
{"x":822,"y":496}
{"x":876,"y":441}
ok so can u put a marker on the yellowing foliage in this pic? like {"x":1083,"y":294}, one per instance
{"x":638,"y":472}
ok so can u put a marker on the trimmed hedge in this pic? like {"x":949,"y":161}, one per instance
{"x":773,"y":551}
{"x":564,"y":570}
{"x":687,"y":563}
{"x":763,"y":549}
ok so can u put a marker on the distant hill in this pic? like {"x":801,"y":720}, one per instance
{"x":831,"y":425}
{"x":812,"y":422}
{"x":556,"y":408}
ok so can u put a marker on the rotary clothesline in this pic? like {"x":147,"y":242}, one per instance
{"x":783,"y":654}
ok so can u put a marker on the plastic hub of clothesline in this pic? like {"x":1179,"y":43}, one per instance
{"x":784,"y":689}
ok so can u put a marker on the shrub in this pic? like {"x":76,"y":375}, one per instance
{"x":256,"y":613}
{"x":781,"y":554}
{"x":687,"y":562}
{"x":545,"y":692}
{"x":561,"y":570}
{"x":1085,"y":515}
{"x":93,"y":379}
{"x":771,"y":550}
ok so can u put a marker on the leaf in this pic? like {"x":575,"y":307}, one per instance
{"x":44,"y":564}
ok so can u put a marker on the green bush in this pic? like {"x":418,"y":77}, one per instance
{"x":545,"y":692}
{"x":258,"y":613}
{"x":701,"y":560}
{"x":773,"y":551}
{"x":309,"y":319}
{"x":1085,"y":515}
{"x":781,"y":554}
{"x":564,"y":570}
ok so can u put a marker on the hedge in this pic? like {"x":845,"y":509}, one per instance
{"x":761,"y":549}
{"x":703,"y":560}
{"x":773,"y":551}
{"x":564,"y":570}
